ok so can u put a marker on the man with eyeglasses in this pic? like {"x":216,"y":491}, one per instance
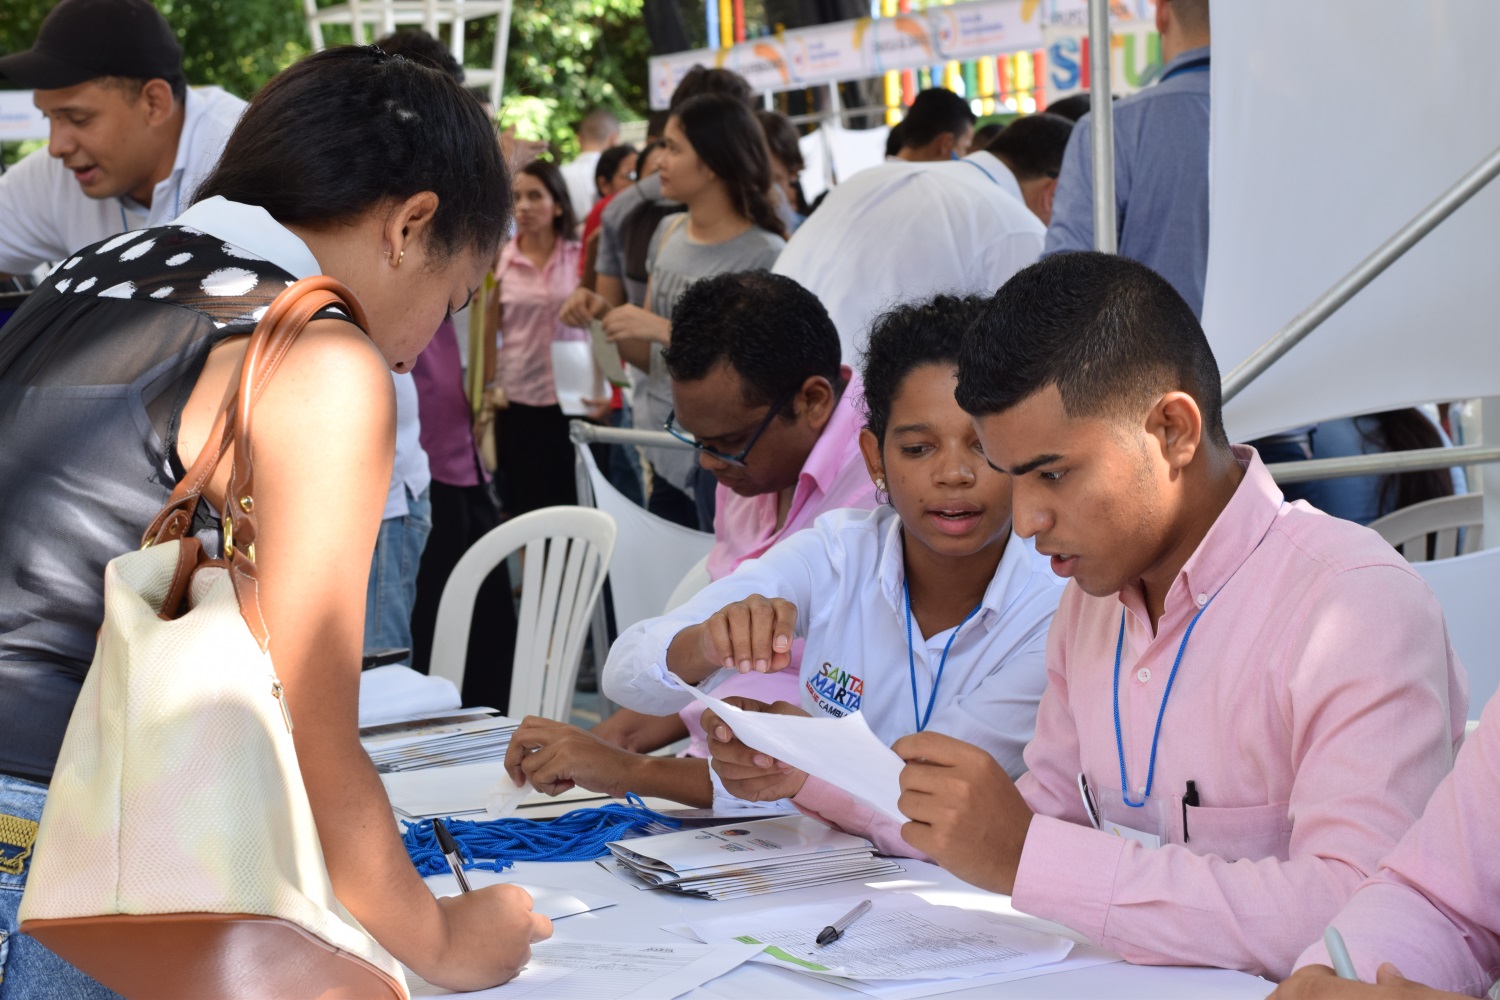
{"x":760,"y":392}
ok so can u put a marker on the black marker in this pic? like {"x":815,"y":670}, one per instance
{"x":1189,"y":798}
{"x":449,"y":847}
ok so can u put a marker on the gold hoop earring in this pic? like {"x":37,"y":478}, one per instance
{"x":399,"y":258}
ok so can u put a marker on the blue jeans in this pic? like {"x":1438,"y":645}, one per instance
{"x":29,"y":971}
{"x":392,"y":591}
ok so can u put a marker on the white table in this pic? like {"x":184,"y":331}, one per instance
{"x":641,"y":913}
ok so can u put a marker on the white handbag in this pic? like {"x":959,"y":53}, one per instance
{"x":177,"y":854}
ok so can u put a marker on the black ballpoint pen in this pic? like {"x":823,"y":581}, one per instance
{"x":1189,"y":798}
{"x":835,"y":930}
{"x":449,"y":847}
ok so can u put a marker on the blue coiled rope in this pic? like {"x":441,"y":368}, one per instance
{"x":493,"y":845}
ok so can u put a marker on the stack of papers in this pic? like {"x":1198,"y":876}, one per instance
{"x":749,"y":859}
{"x":442,"y":739}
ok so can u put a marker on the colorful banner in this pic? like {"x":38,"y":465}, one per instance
{"x":1134,"y":58}
{"x":865,"y":48}
{"x":19,"y":118}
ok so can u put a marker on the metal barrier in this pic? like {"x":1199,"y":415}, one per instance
{"x":583,"y":432}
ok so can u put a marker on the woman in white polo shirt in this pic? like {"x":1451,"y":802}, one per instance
{"x":927,"y":612}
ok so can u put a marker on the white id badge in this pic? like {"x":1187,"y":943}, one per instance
{"x":1146,"y":825}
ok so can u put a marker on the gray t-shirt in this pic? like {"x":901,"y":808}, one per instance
{"x":611,"y":257}
{"x":675,"y":263}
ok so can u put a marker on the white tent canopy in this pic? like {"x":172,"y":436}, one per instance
{"x":1334,"y":124}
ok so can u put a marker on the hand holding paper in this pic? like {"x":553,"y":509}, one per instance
{"x":843,"y":751}
{"x":746,"y":772}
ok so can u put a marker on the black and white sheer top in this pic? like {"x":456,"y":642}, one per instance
{"x":95,"y":370}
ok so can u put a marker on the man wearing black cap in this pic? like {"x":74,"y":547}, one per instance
{"x":129,"y":142}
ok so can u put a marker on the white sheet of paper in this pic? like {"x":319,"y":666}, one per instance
{"x":607,"y":356}
{"x":549,"y":900}
{"x":443,"y":791}
{"x":608,"y":970}
{"x":395,"y":691}
{"x":575,"y":375}
{"x":843,"y":752}
{"x":902,"y":937}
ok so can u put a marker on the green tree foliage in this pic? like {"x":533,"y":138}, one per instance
{"x":565,"y":56}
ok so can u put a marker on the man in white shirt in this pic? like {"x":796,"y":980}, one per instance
{"x":598,"y":131}
{"x":129,"y":142}
{"x":904,"y":231}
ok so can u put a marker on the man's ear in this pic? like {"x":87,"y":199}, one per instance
{"x":818,"y":402}
{"x":159,"y":102}
{"x":946,"y":141}
{"x":1177,"y":425}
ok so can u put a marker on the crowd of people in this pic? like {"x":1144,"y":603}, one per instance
{"x":918,"y":412}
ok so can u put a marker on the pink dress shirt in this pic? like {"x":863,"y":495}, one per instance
{"x":530,"y":300}
{"x":833,"y":476}
{"x":1433,"y":907}
{"x":1317,"y":706}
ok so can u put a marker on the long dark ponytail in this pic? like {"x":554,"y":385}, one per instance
{"x":729,"y":141}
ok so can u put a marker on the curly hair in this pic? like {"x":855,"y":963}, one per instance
{"x":927,"y":332}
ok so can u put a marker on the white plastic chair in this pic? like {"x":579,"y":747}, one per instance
{"x":1466,"y":587}
{"x":567,"y":553}
{"x":652,"y":554}
{"x":692,"y":581}
{"x":1445,"y":518}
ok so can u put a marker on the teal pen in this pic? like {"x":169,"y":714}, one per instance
{"x":1334,"y":941}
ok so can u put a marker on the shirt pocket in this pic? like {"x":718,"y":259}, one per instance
{"x":1251,"y":833}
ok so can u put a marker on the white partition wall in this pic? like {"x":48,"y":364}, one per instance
{"x":1333,"y":124}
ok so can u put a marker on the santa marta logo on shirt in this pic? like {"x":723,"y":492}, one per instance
{"x":836,"y":691}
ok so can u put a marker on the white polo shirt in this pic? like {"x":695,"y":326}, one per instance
{"x":902,"y":231}
{"x":45,"y":216}
{"x":846,"y":577}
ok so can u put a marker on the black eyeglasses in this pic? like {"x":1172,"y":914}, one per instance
{"x":736,"y":460}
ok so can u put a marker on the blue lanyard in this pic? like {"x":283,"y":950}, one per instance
{"x":911,"y":662}
{"x":1156,"y":736}
{"x":1199,"y":65}
{"x":977,"y":167}
{"x":176,"y":209}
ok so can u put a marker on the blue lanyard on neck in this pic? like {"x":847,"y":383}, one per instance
{"x":1156,"y":736}
{"x":1199,"y":65}
{"x":911,"y":662}
{"x":176,"y":208}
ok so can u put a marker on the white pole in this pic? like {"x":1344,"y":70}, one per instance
{"x":1102,"y":114}
{"x":502,"y":43}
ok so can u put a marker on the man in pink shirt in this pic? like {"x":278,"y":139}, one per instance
{"x":1251,"y":700}
{"x":761,"y":394}
{"x":1432,"y":910}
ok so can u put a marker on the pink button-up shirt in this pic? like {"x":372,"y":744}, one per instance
{"x":1317,"y":706}
{"x":530,"y":300}
{"x":1433,"y":908}
{"x":833,"y":476}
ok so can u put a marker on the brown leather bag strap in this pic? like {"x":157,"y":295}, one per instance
{"x":273,"y":337}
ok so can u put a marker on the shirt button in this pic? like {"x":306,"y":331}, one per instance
{"x":1202,"y":600}
{"x":1143,"y":675}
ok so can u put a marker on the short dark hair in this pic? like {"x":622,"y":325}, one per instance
{"x":893,"y":140}
{"x":774,"y":333}
{"x":566,"y":224}
{"x":609,"y":163}
{"x":1033,"y":146}
{"x":926,"y":332}
{"x":1109,"y":332}
{"x":702,"y":80}
{"x":131,"y":86}
{"x":985,"y":134}
{"x":1072,"y":107}
{"x":781,"y":138}
{"x":350,"y":127}
{"x":934,"y":112}
{"x":727,"y":138}
{"x":420,"y":47}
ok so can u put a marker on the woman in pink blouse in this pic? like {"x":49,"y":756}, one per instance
{"x":537,"y":271}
